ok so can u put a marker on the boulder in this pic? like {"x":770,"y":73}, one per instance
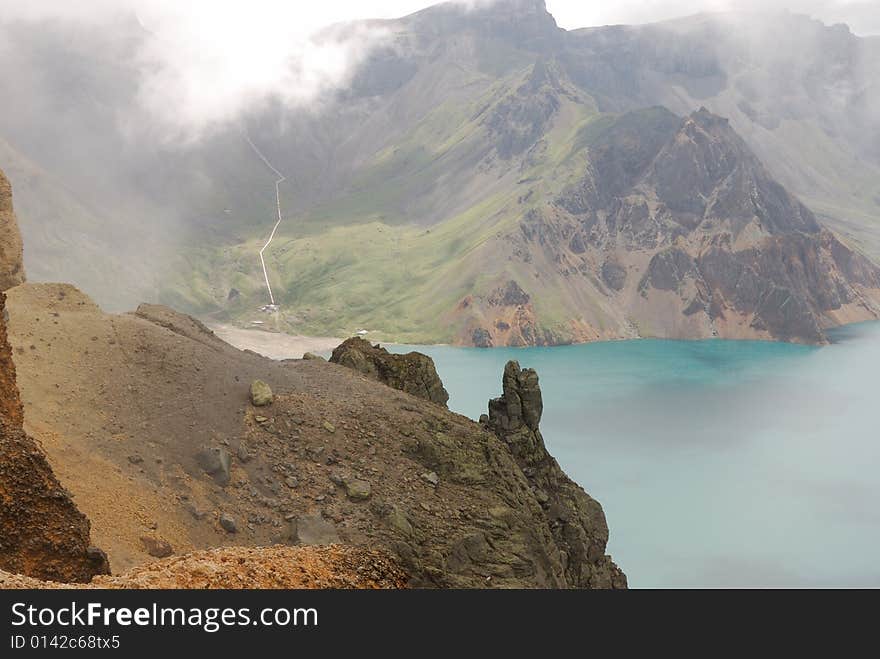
{"x":313,"y":530}
{"x":397,"y":519}
{"x":431,"y":478}
{"x":521,"y":405}
{"x":357,"y":489}
{"x":157,"y":547}
{"x":261,"y":394}
{"x":228,"y":523}
{"x":216,"y":462}
{"x":413,"y":372}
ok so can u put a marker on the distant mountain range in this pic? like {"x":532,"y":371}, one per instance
{"x":486,"y":179}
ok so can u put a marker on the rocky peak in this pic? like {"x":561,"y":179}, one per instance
{"x":509,"y":294}
{"x":619,"y":155}
{"x":521,"y":404}
{"x":698,"y":168}
{"x":575,"y":520}
{"x":706,"y":171}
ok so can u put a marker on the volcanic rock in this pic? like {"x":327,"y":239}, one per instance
{"x":575,"y":520}
{"x":261,"y":394}
{"x":157,"y":547}
{"x":313,"y":530}
{"x":217,"y":462}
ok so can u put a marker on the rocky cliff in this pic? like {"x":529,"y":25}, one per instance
{"x":10,"y":403}
{"x":42,"y":534}
{"x":575,"y":520}
{"x":11,"y":258}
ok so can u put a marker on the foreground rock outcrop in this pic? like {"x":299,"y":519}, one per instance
{"x":11,"y":256}
{"x":10,"y":403}
{"x":413,"y":373}
{"x":42,"y":534}
{"x":246,"y":567}
{"x":337,"y":457}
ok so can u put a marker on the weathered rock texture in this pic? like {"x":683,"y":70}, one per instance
{"x":413,"y":373}
{"x":11,"y":258}
{"x":252,"y":567}
{"x":42,"y":534}
{"x":575,"y":521}
{"x":337,"y":456}
{"x":10,"y":404}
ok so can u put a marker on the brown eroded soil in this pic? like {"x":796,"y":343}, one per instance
{"x":332,"y":566}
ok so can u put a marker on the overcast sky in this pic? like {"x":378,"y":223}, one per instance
{"x":863,"y":16}
{"x":212,"y":58}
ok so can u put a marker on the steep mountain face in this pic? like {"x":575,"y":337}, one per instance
{"x":803,"y":95}
{"x":686,"y":232}
{"x":10,"y":403}
{"x":410,"y":196}
{"x":11,"y":255}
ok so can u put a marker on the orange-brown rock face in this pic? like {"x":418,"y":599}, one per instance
{"x":11,"y":261}
{"x":10,"y":405}
{"x":42,"y":534}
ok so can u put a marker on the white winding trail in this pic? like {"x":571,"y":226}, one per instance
{"x":281,"y":178}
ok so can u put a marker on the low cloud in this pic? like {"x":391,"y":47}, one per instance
{"x":205,"y":62}
{"x":862,"y":16}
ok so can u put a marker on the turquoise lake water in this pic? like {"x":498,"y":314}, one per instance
{"x":718,"y":463}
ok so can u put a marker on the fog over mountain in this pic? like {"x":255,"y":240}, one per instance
{"x":438,"y":167}
{"x":207,"y":61}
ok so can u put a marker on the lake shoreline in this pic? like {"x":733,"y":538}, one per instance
{"x":281,"y":345}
